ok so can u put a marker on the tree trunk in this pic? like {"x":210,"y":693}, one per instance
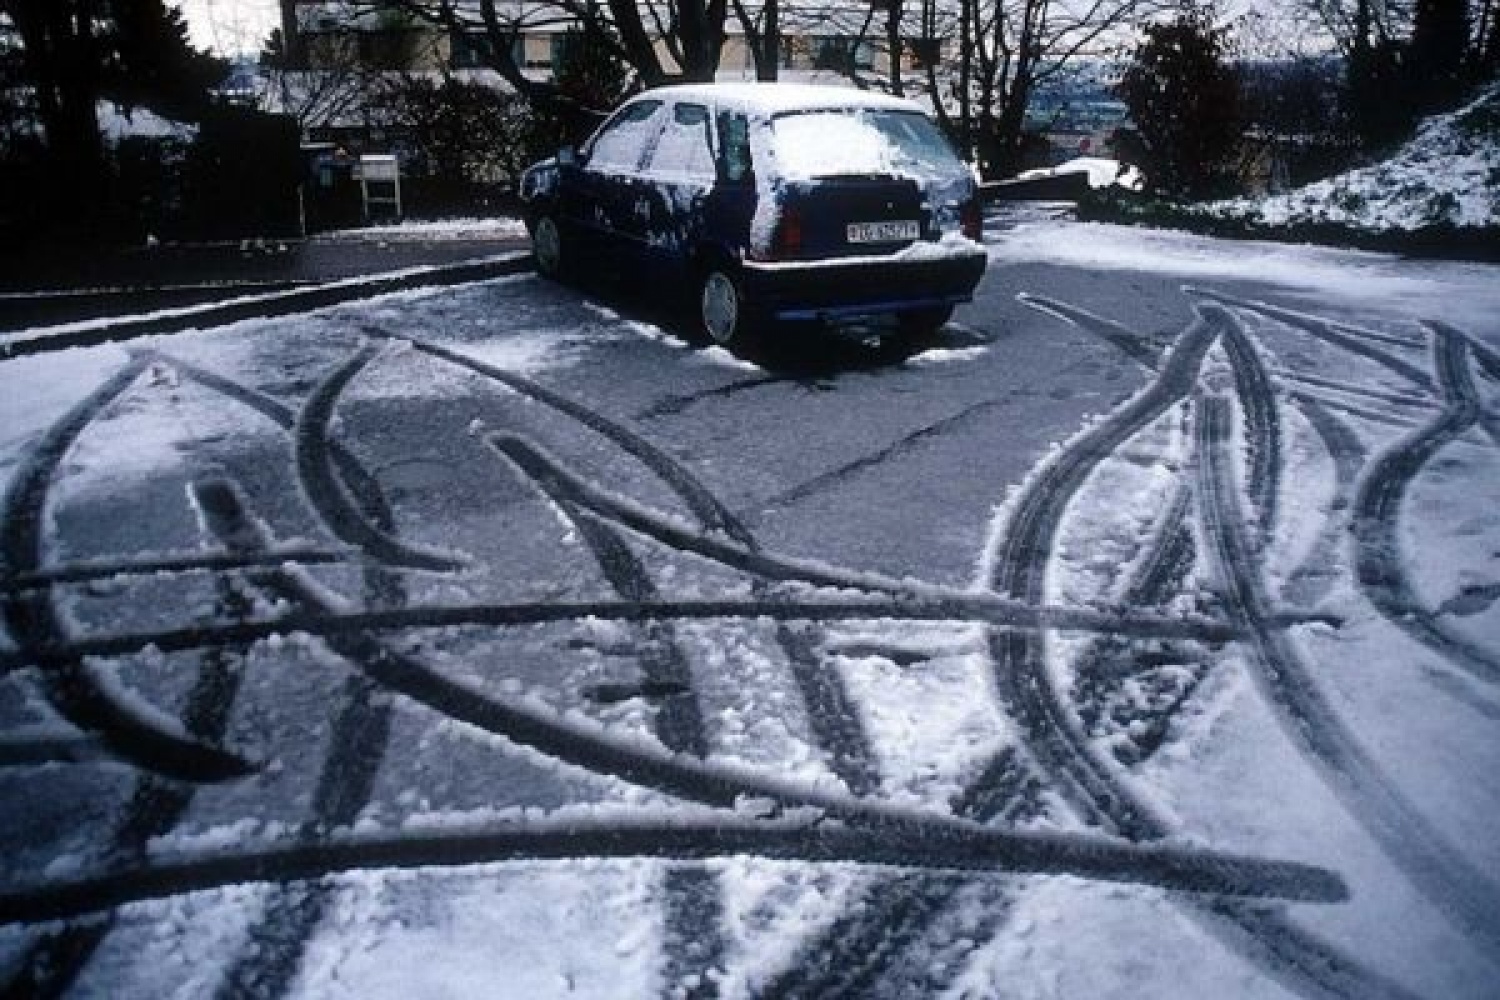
{"x":292,"y":48}
{"x":893,"y":42}
{"x":768,"y":65}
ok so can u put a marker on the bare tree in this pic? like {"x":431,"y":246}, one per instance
{"x":761,"y":24}
{"x":1006,"y":49}
{"x":661,"y":40}
{"x":326,"y":72}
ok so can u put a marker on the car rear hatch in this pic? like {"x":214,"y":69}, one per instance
{"x":849,"y":215}
{"x":861,"y":182}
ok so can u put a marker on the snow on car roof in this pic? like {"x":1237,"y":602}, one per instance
{"x":772,"y":98}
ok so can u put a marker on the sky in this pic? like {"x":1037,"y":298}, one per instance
{"x":233,"y":27}
{"x":229,"y":27}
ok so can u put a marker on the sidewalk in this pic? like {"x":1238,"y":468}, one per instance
{"x":47,"y":290}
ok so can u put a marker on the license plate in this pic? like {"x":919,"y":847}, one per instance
{"x":883,"y":232}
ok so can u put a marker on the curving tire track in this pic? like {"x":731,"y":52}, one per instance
{"x":1294,"y":957}
{"x":358,"y":739}
{"x":840,"y":736}
{"x":1312,"y":579}
{"x":1262,"y":424}
{"x":1464,"y":894}
{"x":324,"y":490}
{"x":1129,"y":342}
{"x":1380,"y":569}
{"x":1021,"y":677}
{"x":898,"y":845}
{"x":33,"y":621}
{"x":50,"y":965}
{"x":693,"y":899}
{"x":1352,"y":339}
{"x":704,"y":505}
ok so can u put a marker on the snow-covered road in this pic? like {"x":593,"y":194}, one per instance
{"x":1139,"y":637}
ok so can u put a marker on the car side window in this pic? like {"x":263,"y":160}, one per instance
{"x":734,"y":147}
{"x":683,"y":149}
{"x":622,"y":142}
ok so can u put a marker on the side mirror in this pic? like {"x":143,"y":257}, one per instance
{"x":567,"y":156}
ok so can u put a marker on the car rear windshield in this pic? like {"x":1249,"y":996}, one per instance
{"x":840,"y":142}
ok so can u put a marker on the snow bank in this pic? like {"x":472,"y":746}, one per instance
{"x":118,"y":123}
{"x":1447,"y":175}
{"x":1102,"y":173}
{"x":438,"y":229}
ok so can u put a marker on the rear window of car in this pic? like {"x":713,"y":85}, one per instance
{"x":830,"y":143}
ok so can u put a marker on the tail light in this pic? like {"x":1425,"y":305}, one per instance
{"x":971,"y":220}
{"x":788,"y":240}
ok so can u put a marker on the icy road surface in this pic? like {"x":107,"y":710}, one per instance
{"x":1138,"y":637}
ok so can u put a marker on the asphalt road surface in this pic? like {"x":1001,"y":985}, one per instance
{"x":1134,"y":636}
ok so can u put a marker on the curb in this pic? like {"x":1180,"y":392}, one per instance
{"x":304,"y":299}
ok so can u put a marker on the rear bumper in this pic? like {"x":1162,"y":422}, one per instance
{"x":864,"y":286}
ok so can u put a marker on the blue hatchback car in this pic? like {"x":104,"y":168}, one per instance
{"x":767,"y":203}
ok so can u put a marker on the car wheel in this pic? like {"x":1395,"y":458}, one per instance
{"x":547,"y":248}
{"x":723,"y":313}
{"x":923,"y":323}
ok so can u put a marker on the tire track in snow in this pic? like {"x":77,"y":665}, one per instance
{"x":1263,"y":434}
{"x":841,"y":738}
{"x":1489,"y":366}
{"x":326,"y":493}
{"x":32,"y":619}
{"x":692,"y":896}
{"x":704,"y":505}
{"x":1053,"y":736}
{"x":357,"y":742}
{"x":1442,"y":875}
{"x":1021,"y":676}
{"x":1134,"y":345}
{"x":50,"y":965}
{"x":1002,"y":614}
{"x":877,"y":940}
{"x":1380,"y":569}
{"x":1313,"y":577}
{"x":912,"y":846}
{"x":1293,"y":956}
{"x":1406,"y":400}
{"x":1352,"y":339}
{"x":1329,"y":401}
{"x":93,"y":571}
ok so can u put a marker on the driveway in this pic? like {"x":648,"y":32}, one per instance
{"x":1137,"y":636}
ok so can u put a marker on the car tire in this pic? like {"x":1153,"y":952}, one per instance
{"x":725,"y":318}
{"x":921,"y":324}
{"x":549,"y":248}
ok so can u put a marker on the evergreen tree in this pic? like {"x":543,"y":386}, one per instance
{"x":75,"y":52}
{"x":152,"y":63}
{"x":1185,"y":100}
{"x":1439,"y":50}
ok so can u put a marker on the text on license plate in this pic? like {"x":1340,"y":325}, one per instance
{"x":883,"y":232}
